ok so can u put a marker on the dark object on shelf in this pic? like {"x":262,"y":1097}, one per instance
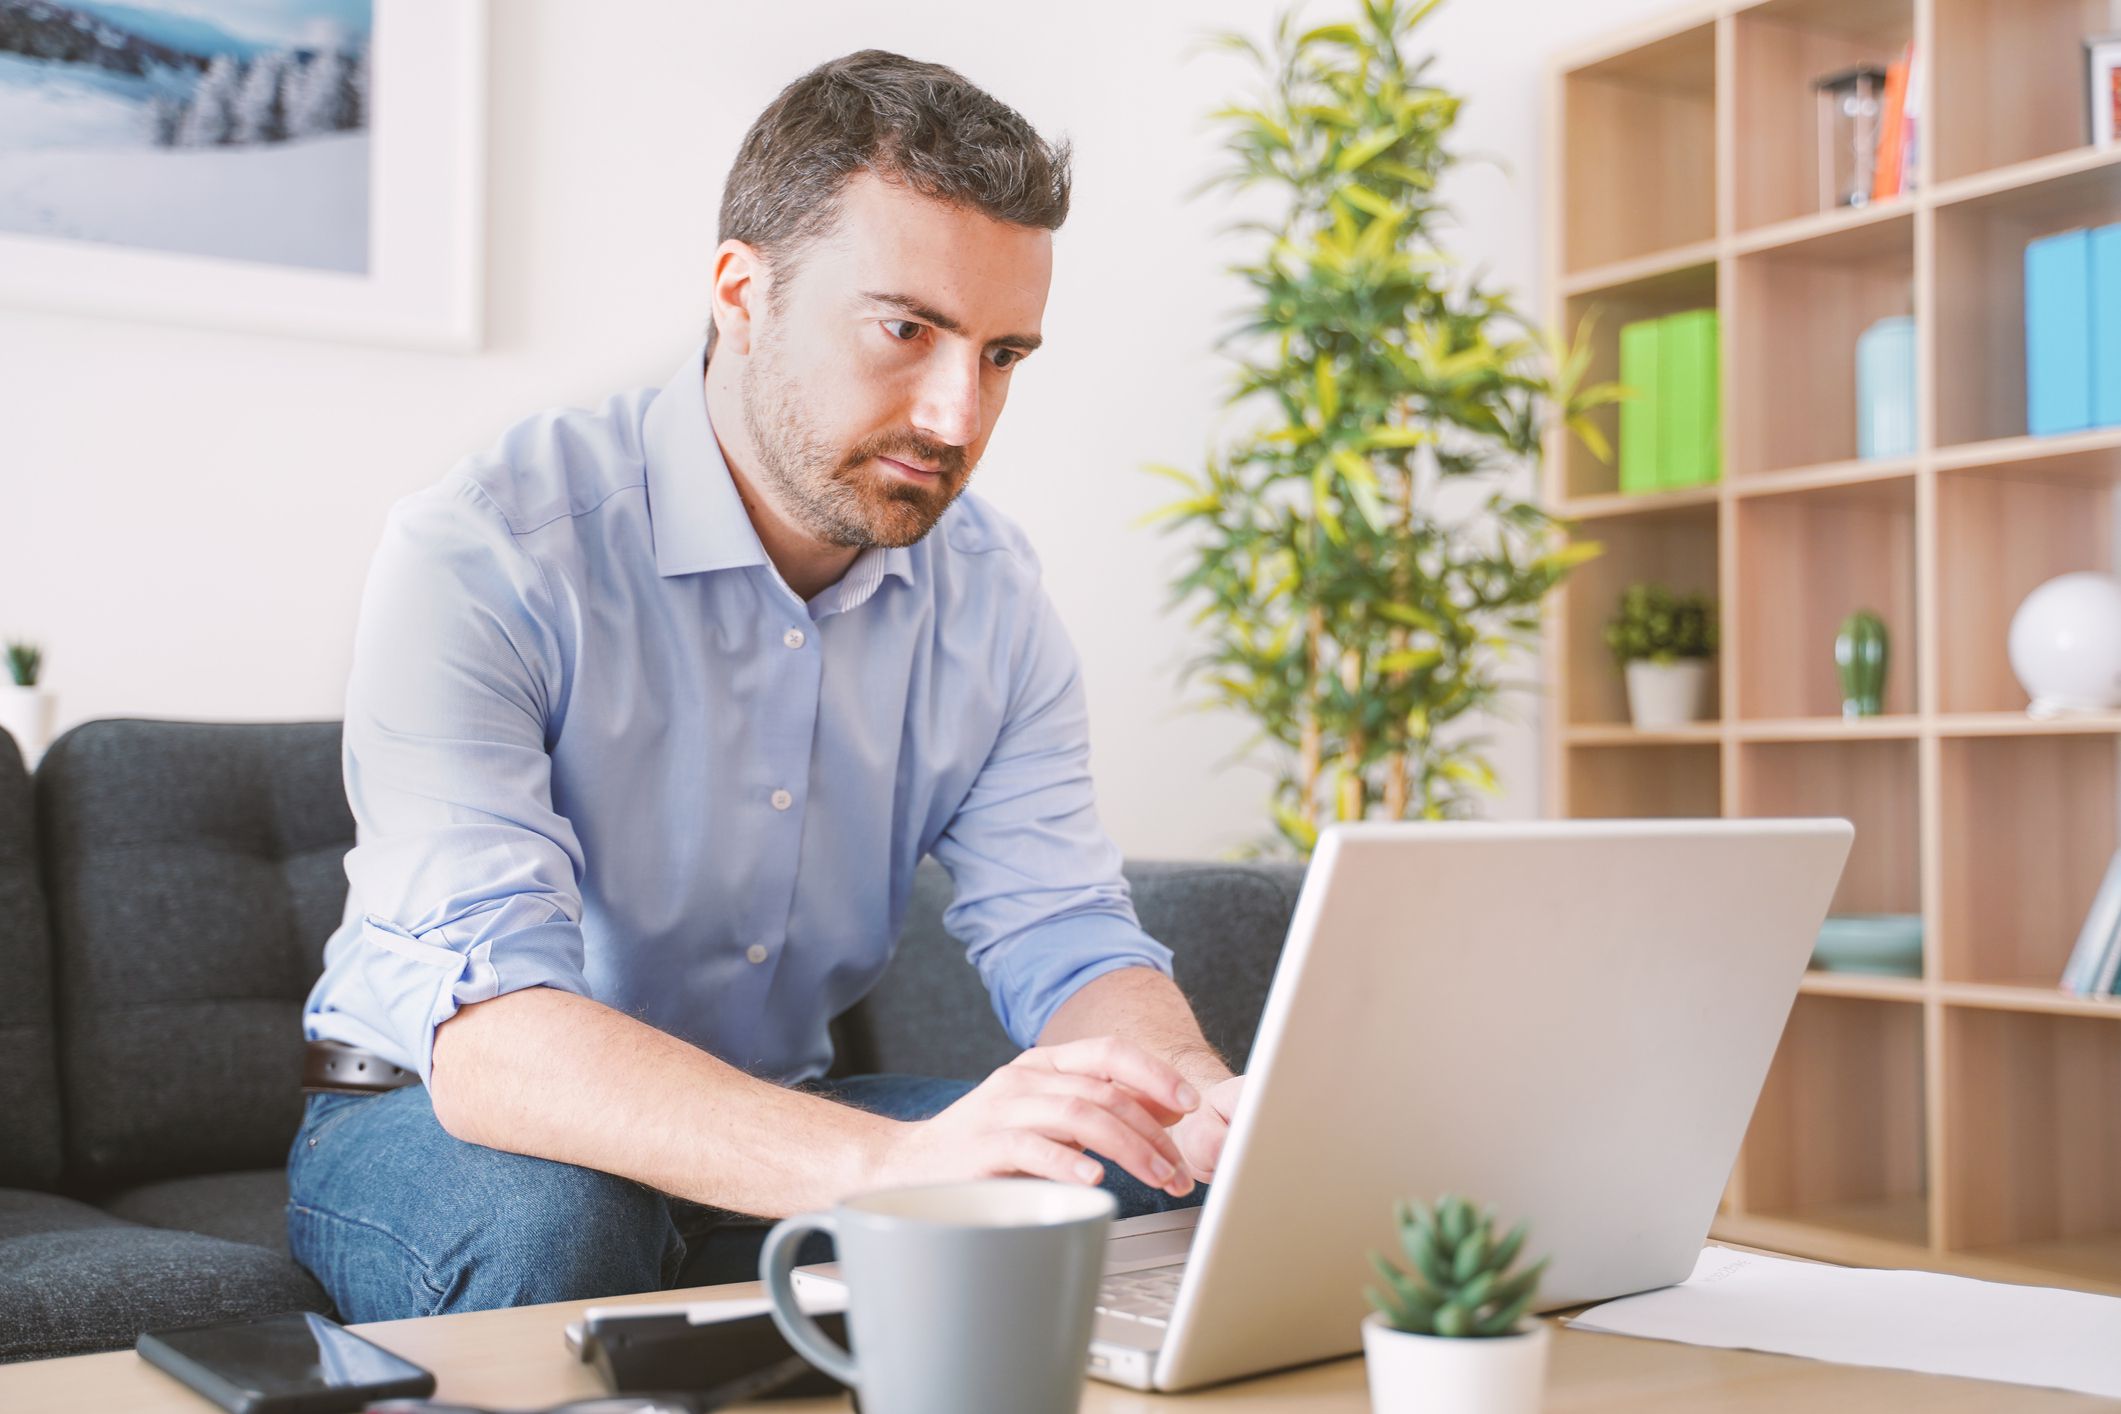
{"x":1882,"y":944}
{"x":1860,"y":654}
{"x":722,"y":1361}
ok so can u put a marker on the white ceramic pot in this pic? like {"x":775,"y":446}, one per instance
{"x":1668,"y":694}
{"x":2065,"y":644}
{"x":1434,"y":1374}
{"x":26,"y":714}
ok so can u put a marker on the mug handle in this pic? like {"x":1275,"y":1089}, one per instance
{"x":776,"y":1268}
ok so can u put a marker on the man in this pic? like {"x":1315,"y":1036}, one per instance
{"x":653,"y":711}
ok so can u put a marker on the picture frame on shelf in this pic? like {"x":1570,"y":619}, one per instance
{"x":189,"y":170}
{"x":2102,"y":88}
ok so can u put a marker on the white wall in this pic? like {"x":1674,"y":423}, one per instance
{"x":188,"y":514}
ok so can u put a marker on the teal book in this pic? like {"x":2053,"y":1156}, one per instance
{"x":1688,"y":403}
{"x":2058,"y":334}
{"x":2106,"y":326}
{"x":1640,"y":349}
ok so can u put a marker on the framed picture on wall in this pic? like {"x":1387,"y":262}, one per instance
{"x":2103,"y":87}
{"x":306,"y":167}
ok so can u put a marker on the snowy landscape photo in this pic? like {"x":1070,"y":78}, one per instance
{"x":234,"y":129}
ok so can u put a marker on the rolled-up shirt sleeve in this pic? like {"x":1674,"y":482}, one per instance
{"x":467,"y":873}
{"x":1040,"y":902}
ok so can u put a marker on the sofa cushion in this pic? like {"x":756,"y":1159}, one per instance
{"x":249,"y":1206}
{"x":73,"y":1279}
{"x":929,"y":1015}
{"x":194,"y":872}
{"x":29,"y":1094}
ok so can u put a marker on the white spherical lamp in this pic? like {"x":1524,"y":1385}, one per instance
{"x":2065,"y":644}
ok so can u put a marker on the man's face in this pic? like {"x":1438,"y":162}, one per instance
{"x":879,"y":364}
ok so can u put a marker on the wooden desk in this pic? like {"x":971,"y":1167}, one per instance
{"x":516,"y":1360}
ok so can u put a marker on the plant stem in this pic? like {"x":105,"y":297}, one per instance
{"x":1312,"y":746}
{"x":1352,"y":802}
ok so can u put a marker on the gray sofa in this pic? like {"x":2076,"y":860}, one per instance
{"x":165,"y":892}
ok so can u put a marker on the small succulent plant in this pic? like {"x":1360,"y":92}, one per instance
{"x":1460,"y":1283}
{"x":1655,"y":624}
{"x":23,"y":661}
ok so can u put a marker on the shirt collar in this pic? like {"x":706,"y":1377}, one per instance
{"x":695,"y":516}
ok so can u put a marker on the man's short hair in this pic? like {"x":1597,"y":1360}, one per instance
{"x":922,"y":125}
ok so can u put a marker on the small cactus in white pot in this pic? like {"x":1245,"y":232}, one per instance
{"x":26,"y":709}
{"x":1450,"y":1330}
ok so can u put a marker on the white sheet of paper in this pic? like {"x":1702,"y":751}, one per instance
{"x":1944,"y":1325}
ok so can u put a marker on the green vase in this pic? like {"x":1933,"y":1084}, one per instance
{"x":1860,"y":654}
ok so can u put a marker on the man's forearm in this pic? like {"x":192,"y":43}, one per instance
{"x":1141,"y":1005}
{"x":558,"y":1076}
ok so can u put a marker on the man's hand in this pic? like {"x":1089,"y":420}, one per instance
{"x":1201,"y":1134}
{"x":1037,"y":1114}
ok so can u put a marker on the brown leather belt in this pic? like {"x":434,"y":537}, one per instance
{"x":335,"y":1068}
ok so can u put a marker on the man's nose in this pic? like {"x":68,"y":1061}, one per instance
{"x":949,"y":406}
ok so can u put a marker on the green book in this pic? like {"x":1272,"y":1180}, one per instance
{"x":1690,"y":434}
{"x":1641,"y":345}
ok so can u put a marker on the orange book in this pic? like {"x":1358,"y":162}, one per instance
{"x":1885,"y":171}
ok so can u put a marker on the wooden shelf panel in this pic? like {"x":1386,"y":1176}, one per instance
{"x":1782,"y":46}
{"x":2028,"y":825}
{"x":1805,"y":562}
{"x":1839,"y":1125}
{"x":1644,"y":503}
{"x":1979,"y":330}
{"x":1795,"y":312}
{"x":1872,"y":986}
{"x":2032,"y":995}
{"x":1638,"y":781}
{"x":2005,"y":531}
{"x":2018,"y":724}
{"x":1608,"y":309}
{"x":1620,"y":734}
{"x":1646,"y":274}
{"x":2033,"y":1133}
{"x":1815,"y":478}
{"x":2010,"y":77}
{"x":1872,"y":784}
{"x":1676,"y":549}
{"x":1646,"y":121}
{"x":1893,"y":727}
{"x":2093,"y":455}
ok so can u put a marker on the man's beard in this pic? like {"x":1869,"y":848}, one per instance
{"x":828,"y":492}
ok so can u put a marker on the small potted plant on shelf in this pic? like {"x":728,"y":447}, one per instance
{"x":25,"y":708}
{"x":1450,"y":1332}
{"x":1665,"y":643}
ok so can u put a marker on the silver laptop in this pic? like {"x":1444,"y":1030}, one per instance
{"x":1568,"y":1021}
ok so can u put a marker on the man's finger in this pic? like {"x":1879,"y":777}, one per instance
{"x":1079,"y":1123}
{"x":1122,"y":1102}
{"x":1109,"y":1058}
{"x":1027,"y":1153}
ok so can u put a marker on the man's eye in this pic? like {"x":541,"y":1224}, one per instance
{"x":904,"y":330}
{"x":1006,"y":358}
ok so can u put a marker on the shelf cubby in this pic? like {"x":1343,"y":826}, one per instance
{"x":1647,"y":119}
{"x":1806,"y":560}
{"x":2028,"y":828}
{"x":1675,"y":547}
{"x":1796,"y":313}
{"x":1980,"y":292}
{"x":1872,"y":784}
{"x":2008,"y":81}
{"x":1782,"y":47}
{"x":1646,"y":782}
{"x":1837,"y":1140}
{"x":2033,"y":1140}
{"x":1647,"y":296}
{"x":2005,"y":530}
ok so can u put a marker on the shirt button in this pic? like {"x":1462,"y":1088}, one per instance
{"x":782,"y":800}
{"x":755,"y":953}
{"x":793,"y":638}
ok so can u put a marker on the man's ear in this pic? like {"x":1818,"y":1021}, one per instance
{"x":738,"y":290}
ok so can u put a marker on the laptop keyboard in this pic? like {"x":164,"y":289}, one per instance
{"x":1146,"y":1296}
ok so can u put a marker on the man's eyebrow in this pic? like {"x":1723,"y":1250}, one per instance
{"x":928,"y":314}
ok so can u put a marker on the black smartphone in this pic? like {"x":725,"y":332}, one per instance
{"x":295,"y":1363}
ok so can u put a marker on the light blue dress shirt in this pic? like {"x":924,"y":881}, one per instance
{"x":595,"y":742}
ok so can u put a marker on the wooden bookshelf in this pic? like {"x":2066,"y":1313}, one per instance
{"x":1968,"y":1119}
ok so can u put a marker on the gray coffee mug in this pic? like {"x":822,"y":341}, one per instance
{"x":962,"y":1298}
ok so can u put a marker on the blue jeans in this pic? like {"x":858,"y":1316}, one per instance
{"x":397,"y":1218}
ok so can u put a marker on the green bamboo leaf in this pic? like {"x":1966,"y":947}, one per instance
{"x":1382,"y":437}
{"x":1375,"y":145}
{"x":1409,"y":660}
{"x":1179,"y":510}
{"x":1183,"y":478}
{"x":1367,"y":201}
{"x":1328,"y":384}
{"x":1331,"y":34}
{"x":1408,"y":615}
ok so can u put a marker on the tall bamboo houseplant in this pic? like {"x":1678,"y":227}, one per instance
{"x":1347,"y":611}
